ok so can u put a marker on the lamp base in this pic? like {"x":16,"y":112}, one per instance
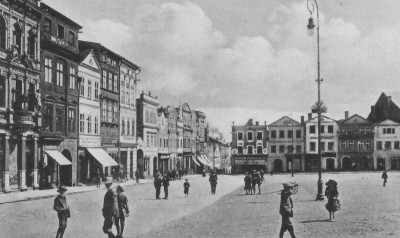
{"x":320,"y":196}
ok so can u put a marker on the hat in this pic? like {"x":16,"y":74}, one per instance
{"x":286,"y":185}
{"x":109,"y":180}
{"x":331,"y":181}
{"x":119,"y":187}
{"x":62,"y":189}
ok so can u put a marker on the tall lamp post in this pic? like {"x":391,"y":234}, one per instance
{"x":319,"y":108}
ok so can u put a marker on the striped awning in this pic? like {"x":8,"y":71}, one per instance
{"x":194,"y":160}
{"x":102,"y":157}
{"x":57,"y":156}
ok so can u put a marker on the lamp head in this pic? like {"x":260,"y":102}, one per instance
{"x":310,"y":26}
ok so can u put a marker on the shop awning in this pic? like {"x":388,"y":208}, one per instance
{"x":57,"y":156}
{"x":206,"y":158}
{"x":194,"y":160}
{"x":102,"y":157}
{"x":202,"y":160}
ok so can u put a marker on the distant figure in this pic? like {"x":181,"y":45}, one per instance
{"x":286,"y":211}
{"x":255,"y":179}
{"x":384,"y":177}
{"x":186,"y":186}
{"x":262,"y":175}
{"x":165,"y":183}
{"x":123,"y":211}
{"x":247,"y":184}
{"x":213,"y":182}
{"x":272,"y":172}
{"x":157,"y":185}
{"x":332,"y":194}
{"x":204,"y":173}
{"x":110,"y":208}
{"x":62,"y":208}
{"x":137,"y":176}
{"x":98,"y":178}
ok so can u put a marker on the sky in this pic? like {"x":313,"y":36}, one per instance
{"x":241,"y":59}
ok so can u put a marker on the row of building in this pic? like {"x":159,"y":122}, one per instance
{"x":69,"y":109}
{"x":352,"y":143}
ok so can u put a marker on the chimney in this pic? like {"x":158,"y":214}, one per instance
{"x":309,"y":116}
{"x":346,"y":114}
{"x":257,"y":123}
{"x":302,"y":119}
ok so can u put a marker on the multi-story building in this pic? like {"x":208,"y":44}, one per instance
{"x":179,"y":139}
{"x":127,"y":138}
{"x":286,"y":145}
{"x":387,"y":107}
{"x":201,"y":135}
{"x":249,"y":147}
{"x":163,"y":141}
{"x":59,"y":91}
{"x":109,"y":102}
{"x":329,"y":140}
{"x":186,"y":113}
{"x":356,"y":143}
{"x":147,"y":130}
{"x":173,"y":143}
{"x":20,"y":103}
{"x":216,"y":153}
{"x":387,"y":145}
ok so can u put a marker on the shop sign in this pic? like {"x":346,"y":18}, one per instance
{"x":253,"y":162}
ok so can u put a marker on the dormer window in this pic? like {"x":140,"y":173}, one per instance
{"x":60,"y":31}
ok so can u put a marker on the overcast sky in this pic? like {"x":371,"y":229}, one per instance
{"x":241,"y":59}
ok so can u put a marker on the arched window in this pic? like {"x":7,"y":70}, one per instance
{"x":3,"y":33}
{"x":31,"y":43}
{"x":17,"y":33}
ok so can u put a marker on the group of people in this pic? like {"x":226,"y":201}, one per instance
{"x":250,"y":182}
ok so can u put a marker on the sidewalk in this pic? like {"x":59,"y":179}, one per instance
{"x":39,"y":194}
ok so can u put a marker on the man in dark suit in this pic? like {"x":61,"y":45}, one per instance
{"x":123,"y":210}
{"x":157,"y":184}
{"x":213,"y":181}
{"x":165,"y":183}
{"x":110,"y":208}
{"x":61,"y":206}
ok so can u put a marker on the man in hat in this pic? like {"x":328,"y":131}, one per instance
{"x":165,"y":183}
{"x":286,"y":211}
{"x":213,"y":181}
{"x":157,"y":185}
{"x":61,"y":206}
{"x":255,"y":179}
{"x":123,"y":211}
{"x":110,"y":208}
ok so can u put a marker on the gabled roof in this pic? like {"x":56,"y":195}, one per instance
{"x":285,"y":121}
{"x":395,"y":95}
{"x":355,"y":119}
{"x":87,"y":57}
{"x":186,"y":107}
{"x":249,"y":122}
{"x":387,"y":122}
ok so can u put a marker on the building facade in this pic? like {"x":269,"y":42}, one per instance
{"x":286,"y":145}
{"x":172,"y":115}
{"x":187,"y":155}
{"x":356,"y":143}
{"x":163,"y":141}
{"x":387,"y":145}
{"x":249,"y":147}
{"x":201,"y":135}
{"x":386,"y":107}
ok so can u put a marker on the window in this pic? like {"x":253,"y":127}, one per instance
{"x":82,"y":92}
{"x":322,"y":129}
{"x":3,"y":98}
{"x":133,"y":127}
{"x":110,"y":81}
{"x":104,"y":81}
{"x":281,"y":134}
{"x":115,"y":118}
{"x":312,"y":146}
{"x":96,"y":90}
{"x":123,"y":91}
{"x":3,"y":33}
{"x":127,"y":98}
{"x":71,"y":120}
{"x":330,"y":129}
{"x":47,"y":25}
{"x":290,"y":149}
{"x":249,"y":135}
{"x":60,"y":31}
{"x":240,"y":150}
{"x":47,"y":70}
{"x":132,"y":94}
{"x":298,"y":133}
{"x":379,"y":145}
{"x":71,"y":37}
{"x":298,"y":149}
{"x":290,"y":134}
{"x":48,"y":117}
{"x":273,"y":149}
{"x":362,"y":130}
{"x":104,"y":111}
{"x":17,"y":37}
{"x":312,"y":129}
{"x":360,"y":145}
{"x":368,"y":144}
{"x":81,"y":123}
{"x":331,"y":145}
{"x":259,"y":149}
{"x":259,"y":135}
{"x":59,"y":119}
{"x":342,"y":145}
{"x":388,"y":145}
{"x":273,"y":134}
{"x":123,"y":127}
{"x":96,"y":125}
{"x":31,"y":43}
{"x":109,"y":111}
{"x":72,"y":78}
{"x":89,"y":124}
{"x":351,"y":144}
{"x":250,"y":149}
{"x":281,"y":149}
{"x":128,"y":127}
{"x":115,"y":78}
{"x":89,"y":89}
{"x":60,"y":74}
{"x":322,"y":146}
{"x":397,"y":145}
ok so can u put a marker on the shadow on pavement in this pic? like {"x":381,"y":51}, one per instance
{"x":315,"y":221}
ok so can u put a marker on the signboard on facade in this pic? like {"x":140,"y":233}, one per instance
{"x":253,"y":161}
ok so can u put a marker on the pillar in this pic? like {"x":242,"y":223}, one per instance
{"x":128,"y":164}
{"x":35,"y":164}
{"x":22,"y":169}
{"x":6,"y":172}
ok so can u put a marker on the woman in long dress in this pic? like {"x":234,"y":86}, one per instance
{"x":332,"y":194}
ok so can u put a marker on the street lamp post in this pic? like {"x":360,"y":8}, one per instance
{"x":311,"y":4}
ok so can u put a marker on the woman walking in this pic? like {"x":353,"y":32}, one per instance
{"x":332,"y":194}
{"x":247,"y":184}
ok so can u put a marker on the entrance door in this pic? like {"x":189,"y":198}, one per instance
{"x":346,"y":163}
{"x":330,"y":164}
{"x":66,"y":170}
{"x":155,"y":167}
{"x":140,"y":162}
{"x":395,"y":164}
{"x":278,"y":165}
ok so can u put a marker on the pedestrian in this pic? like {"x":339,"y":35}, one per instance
{"x":62,"y":208}
{"x":98,"y":178}
{"x":110,"y":208}
{"x":384,"y":177}
{"x":186,"y":186}
{"x":262,"y":175}
{"x":247,"y":184}
{"x":254,"y":180}
{"x":332,"y":194}
{"x":165,"y":183}
{"x":286,"y":211}
{"x":213,"y":182}
{"x":137,"y":176}
{"x":204,"y":173}
{"x":157,"y":185}
{"x":123,"y":211}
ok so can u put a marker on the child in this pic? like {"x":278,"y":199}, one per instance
{"x":186,"y":186}
{"x":61,"y":206}
{"x":286,"y":210}
{"x":384,"y":177}
{"x":331,"y":192}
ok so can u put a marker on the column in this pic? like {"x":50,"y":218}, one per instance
{"x":6,"y":172}
{"x":22,"y":169}
{"x":35,"y":164}
{"x":128,"y":164}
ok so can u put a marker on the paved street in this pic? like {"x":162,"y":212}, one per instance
{"x":368,"y":210}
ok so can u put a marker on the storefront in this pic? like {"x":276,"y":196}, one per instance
{"x":243,"y":164}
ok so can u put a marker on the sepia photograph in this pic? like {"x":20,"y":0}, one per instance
{"x":199,"y":118}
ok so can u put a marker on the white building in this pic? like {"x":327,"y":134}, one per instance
{"x":387,"y":145}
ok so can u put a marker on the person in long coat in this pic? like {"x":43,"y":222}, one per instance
{"x":255,"y":179}
{"x":165,"y":184}
{"x":157,"y":185}
{"x":123,"y":210}
{"x":137,"y":176}
{"x":110,"y":208}
{"x":213,"y":181}
{"x":62,"y":209}
{"x":331,"y":192}
{"x":286,"y":211}
{"x":247,"y":184}
{"x":384,"y":177}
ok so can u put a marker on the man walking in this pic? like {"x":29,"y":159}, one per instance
{"x":123,"y":211}
{"x":384,"y":177}
{"x":213,"y":181}
{"x":165,"y":183}
{"x":61,"y":206}
{"x":286,"y":210}
{"x":254,"y":180}
{"x":110,"y":208}
{"x":157,"y":184}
